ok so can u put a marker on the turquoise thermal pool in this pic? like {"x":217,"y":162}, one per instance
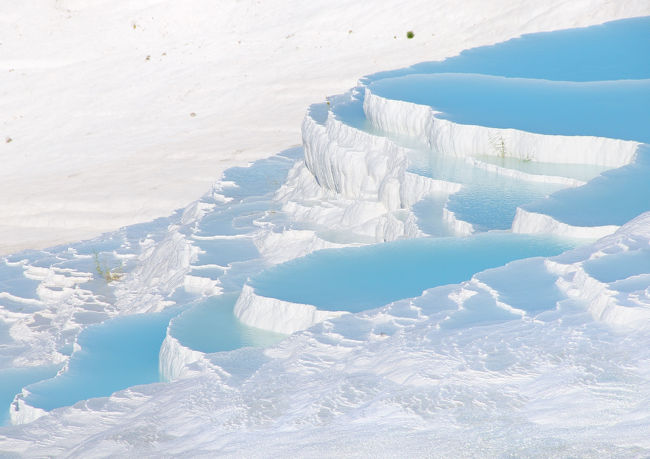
{"x":361,"y":278}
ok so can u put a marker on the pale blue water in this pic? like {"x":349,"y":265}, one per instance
{"x":525,"y":285}
{"x":210,"y":326}
{"x":616,"y":109}
{"x":552,"y":83}
{"x":632,"y":284}
{"x":611,"y":268}
{"x":492,"y":204}
{"x":613,"y":198}
{"x":18,"y":306}
{"x":354,"y":279}
{"x":487,"y":200}
{"x":14,"y":282}
{"x":611,"y":51}
{"x":114,"y":355}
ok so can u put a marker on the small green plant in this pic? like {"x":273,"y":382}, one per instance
{"x":108,"y":274}
{"x":410,"y":34}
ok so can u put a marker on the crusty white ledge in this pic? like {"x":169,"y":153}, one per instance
{"x":450,"y":138}
{"x":278,"y":315}
{"x":174,"y":358}
{"x":21,"y":413}
{"x":533,"y":223}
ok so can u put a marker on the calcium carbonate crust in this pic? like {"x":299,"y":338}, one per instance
{"x":450,"y":138}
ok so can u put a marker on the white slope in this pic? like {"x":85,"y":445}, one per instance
{"x":548,"y":372}
{"x":117,"y":112}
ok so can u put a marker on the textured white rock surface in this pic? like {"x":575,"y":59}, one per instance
{"x":532,"y":223}
{"x":278,"y":315}
{"x":99,"y":96}
{"x":381,"y":375}
{"x":390,"y":381}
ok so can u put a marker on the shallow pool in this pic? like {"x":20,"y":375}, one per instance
{"x":14,"y":282}
{"x":487,"y":200}
{"x":210,"y":326}
{"x":355,"y":279}
{"x":114,"y":355}
{"x":612,"y":268}
{"x":12,"y":380}
{"x":594,"y":108}
{"x":613,"y":198}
